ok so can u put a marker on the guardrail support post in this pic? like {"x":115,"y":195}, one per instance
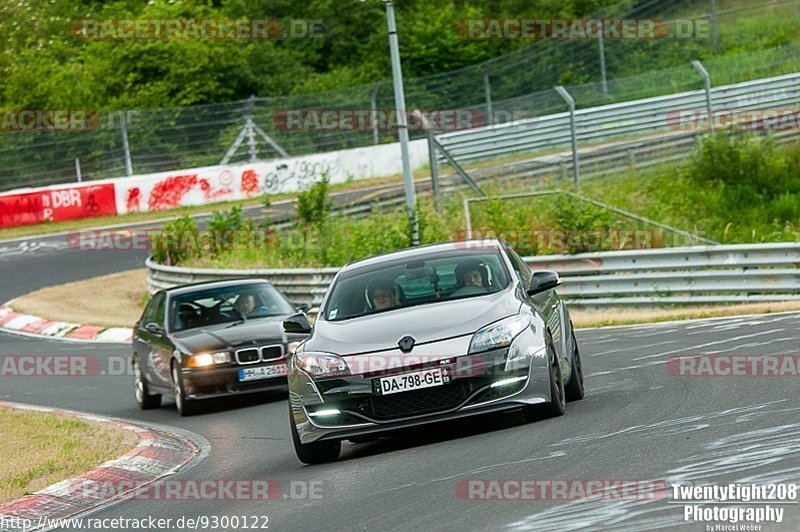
{"x":373,"y":109}
{"x":707,"y":82}
{"x":576,"y":173}
{"x":460,"y":171}
{"x":125,"y":147}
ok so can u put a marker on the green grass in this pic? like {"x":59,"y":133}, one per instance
{"x":732,"y":190}
{"x":40,"y":449}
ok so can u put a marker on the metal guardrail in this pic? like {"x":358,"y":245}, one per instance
{"x":719,"y":274}
{"x":597,"y":125}
{"x":306,"y":285}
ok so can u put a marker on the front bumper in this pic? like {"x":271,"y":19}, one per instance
{"x":469,"y":392}
{"x":209,"y":382}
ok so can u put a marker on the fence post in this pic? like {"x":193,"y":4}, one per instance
{"x":487,"y":90}
{"x":707,"y":82}
{"x":467,"y":219}
{"x":712,"y":16}
{"x":252,"y":146}
{"x":78,"y":169}
{"x":125,"y":147}
{"x":373,"y":109}
{"x":432,"y":161}
{"x":601,"y":44}
{"x":576,"y":173}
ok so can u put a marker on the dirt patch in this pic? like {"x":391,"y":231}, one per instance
{"x":114,"y":300}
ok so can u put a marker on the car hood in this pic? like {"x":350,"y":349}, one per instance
{"x":222,"y":337}
{"x":426,"y":323}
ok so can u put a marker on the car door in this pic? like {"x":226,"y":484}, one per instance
{"x":153,"y":346}
{"x":548,"y":303}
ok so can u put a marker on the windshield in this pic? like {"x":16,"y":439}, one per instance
{"x":229,"y":304}
{"x":421,"y":280}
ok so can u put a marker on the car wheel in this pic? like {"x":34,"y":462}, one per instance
{"x":186,"y":407}
{"x":314,"y":453}
{"x":141,"y":392}
{"x":574,"y":389}
{"x":557,"y":405}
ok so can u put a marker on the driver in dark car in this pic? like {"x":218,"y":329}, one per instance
{"x":247,"y":303}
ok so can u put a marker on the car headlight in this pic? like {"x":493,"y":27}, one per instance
{"x":322,"y":364}
{"x":202,"y":360}
{"x":499,"y":334}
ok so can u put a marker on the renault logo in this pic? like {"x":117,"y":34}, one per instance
{"x":406,"y":344}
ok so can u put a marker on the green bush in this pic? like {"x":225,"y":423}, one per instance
{"x":314,"y":205}
{"x":177,"y":241}
{"x":227,"y":229}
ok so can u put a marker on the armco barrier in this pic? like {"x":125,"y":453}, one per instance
{"x":631,"y":119}
{"x":305,"y":285}
{"x":637,"y":278}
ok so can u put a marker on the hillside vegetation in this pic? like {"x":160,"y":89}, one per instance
{"x":43,"y":66}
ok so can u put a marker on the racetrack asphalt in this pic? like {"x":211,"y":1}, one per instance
{"x":637,"y":422}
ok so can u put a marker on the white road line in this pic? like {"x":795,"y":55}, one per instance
{"x":752,"y":344}
{"x":716,"y":342}
{"x":634,"y":348}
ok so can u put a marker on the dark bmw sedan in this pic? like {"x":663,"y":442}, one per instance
{"x":429,"y":334}
{"x":209,"y":340}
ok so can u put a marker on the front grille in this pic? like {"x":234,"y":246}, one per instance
{"x":424,"y":401}
{"x":271,"y":352}
{"x":265,"y":353}
{"x":247,"y":356}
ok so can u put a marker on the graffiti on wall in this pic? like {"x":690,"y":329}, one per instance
{"x":297,"y":175}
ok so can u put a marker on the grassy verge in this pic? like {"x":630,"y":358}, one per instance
{"x":40,"y":449}
{"x":738,"y":189}
{"x":114,"y":300}
{"x":605,"y":318}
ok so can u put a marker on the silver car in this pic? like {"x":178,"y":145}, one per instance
{"x":429,"y":334}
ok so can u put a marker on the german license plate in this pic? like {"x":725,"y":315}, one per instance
{"x":261,"y":372}
{"x":411,"y":381}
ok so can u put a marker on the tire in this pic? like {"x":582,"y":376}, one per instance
{"x":141,"y":392}
{"x":314,"y":453}
{"x":186,"y":407}
{"x":574,"y":389}
{"x":557,"y":405}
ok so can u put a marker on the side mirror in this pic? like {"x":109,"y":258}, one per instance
{"x":302,"y":306}
{"x":297,"y":323}
{"x":154,"y":328}
{"x":543,"y":280}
